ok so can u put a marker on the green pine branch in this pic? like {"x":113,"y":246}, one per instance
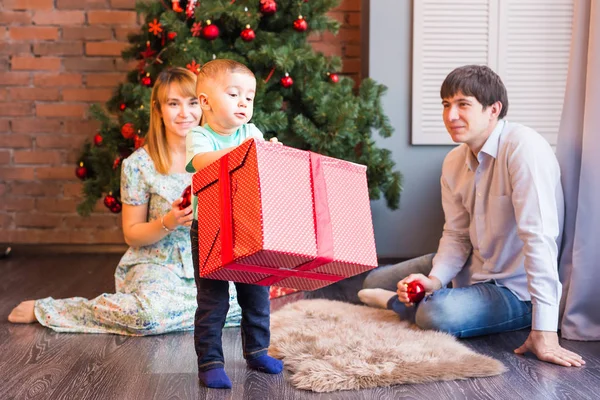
{"x":334,"y":119}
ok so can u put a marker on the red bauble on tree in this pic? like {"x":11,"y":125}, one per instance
{"x":247,"y":34}
{"x":171,"y":35}
{"x":334,"y":78}
{"x":300,"y":24}
{"x":110,"y":200}
{"x":81,"y":171}
{"x":146,"y":80}
{"x":210,"y":31}
{"x":122,"y":106}
{"x":128,"y":130}
{"x":112,"y":203}
{"x":116,"y":208}
{"x":138,"y":141}
{"x":287,"y":81}
{"x":268,"y":7}
{"x":98,"y":139}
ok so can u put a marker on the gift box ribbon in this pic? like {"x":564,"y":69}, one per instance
{"x":322,"y":222}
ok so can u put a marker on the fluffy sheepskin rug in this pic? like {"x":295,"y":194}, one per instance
{"x":330,"y":345}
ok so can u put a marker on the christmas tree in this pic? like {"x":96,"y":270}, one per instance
{"x":300,"y":98}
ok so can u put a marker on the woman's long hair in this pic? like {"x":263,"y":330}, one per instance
{"x":158,"y":148}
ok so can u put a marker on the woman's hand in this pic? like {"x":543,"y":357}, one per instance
{"x":138,"y":231}
{"x":177,"y":217}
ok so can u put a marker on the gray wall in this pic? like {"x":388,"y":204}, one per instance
{"x":414,"y":228}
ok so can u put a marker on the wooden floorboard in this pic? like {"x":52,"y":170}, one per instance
{"x":37,"y":363}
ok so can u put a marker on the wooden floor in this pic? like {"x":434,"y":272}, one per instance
{"x":36,"y":363}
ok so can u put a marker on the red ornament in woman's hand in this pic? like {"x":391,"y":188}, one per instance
{"x":187,"y":198}
{"x":415,"y":291}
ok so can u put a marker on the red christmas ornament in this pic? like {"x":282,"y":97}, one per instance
{"x":271,"y":72}
{"x":128,"y":131}
{"x":287,"y":81}
{"x":138,"y":141}
{"x":190,"y":8}
{"x":146,"y":81}
{"x":196,"y":29}
{"x":149,"y":52}
{"x":122,"y":106}
{"x":300,"y":24}
{"x":210,"y":31}
{"x":176,"y":6}
{"x":268,"y":7}
{"x":117,"y":162}
{"x":194,"y":67}
{"x":98,"y":139}
{"x":334,"y":78}
{"x":187,"y":197}
{"x":248,"y":34}
{"x":116,"y":208}
{"x":415,"y":291}
{"x":171,"y":35}
{"x":110,"y":201}
{"x":155,"y":27}
{"x":81,"y":171}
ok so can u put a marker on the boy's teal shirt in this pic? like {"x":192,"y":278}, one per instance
{"x":202,"y":139}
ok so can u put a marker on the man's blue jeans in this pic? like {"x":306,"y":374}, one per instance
{"x":213,"y":304}
{"x":479,"y":309}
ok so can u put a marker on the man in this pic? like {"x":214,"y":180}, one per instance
{"x":503,"y":207}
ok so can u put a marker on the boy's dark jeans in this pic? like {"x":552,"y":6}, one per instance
{"x":213,"y":304}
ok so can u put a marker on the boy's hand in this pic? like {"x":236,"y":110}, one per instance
{"x":274,"y":140}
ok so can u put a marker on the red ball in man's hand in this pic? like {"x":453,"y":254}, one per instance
{"x":187,"y":198}
{"x":415,"y":291}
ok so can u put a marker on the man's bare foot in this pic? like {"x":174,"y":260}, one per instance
{"x":376,"y":297}
{"x":23,"y":313}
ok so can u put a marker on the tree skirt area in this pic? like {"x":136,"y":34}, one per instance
{"x":330,"y":345}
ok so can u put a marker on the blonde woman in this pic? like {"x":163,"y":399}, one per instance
{"x":155,"y":288}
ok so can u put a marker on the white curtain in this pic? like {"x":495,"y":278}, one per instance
{"x":578,"y":152}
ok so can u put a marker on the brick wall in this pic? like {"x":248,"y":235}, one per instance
{"x":56,"y":58}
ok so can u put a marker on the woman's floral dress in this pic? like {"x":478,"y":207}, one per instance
{"x":155,"y":287}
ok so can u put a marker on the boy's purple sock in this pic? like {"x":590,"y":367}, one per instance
{"x":215,"y":378}
{"x":266,"y":363}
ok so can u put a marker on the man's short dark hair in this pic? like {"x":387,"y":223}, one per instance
{"x":478,"y":81}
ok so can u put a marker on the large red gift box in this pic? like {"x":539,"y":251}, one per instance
{"x":274,"y":215}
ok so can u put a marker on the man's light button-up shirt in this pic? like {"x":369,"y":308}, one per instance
{"x":504,"y":213}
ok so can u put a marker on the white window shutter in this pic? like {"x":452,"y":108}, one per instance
{"x":534,"y":52}
{"x":447,"y":34}
{"x":525,"y":41}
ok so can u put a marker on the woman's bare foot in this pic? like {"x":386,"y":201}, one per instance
{"x":376,"y":297}
{"x":23,"y":313}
